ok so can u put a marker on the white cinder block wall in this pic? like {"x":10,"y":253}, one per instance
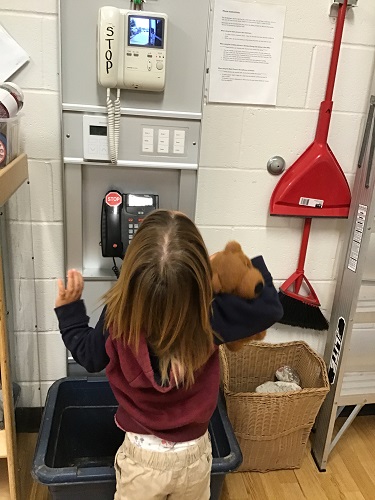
{"x":234,"y":186}
{"x":35,"y":226}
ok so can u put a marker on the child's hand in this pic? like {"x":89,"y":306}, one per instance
{"x":73,"y":290}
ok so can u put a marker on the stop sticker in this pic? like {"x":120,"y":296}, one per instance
{"x":113,"y":199}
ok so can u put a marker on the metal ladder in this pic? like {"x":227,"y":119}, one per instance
{"x":349,"y":388}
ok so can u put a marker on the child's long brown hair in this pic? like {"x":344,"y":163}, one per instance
{"x":164,"y":292}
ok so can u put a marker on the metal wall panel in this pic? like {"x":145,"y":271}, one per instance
{"x":171,"y":175}
{"x":130,"y":144}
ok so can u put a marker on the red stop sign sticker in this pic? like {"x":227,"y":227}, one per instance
{"x":113,"y":199}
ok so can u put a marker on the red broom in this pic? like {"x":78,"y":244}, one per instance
{"x":301,"y":310}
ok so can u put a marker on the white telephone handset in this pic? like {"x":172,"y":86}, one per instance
{"x":110,"y":33}
{"x":131,"y":55}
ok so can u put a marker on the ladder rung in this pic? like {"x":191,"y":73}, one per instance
{"x":357,"y":387}
{"x":364,"y":317}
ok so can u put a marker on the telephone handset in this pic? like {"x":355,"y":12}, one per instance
{"x":111,"y":238}
{"x":122,"y":214}
{"x":131,"y":55}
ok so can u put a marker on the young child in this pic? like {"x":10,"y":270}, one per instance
{"x":158,"y":338}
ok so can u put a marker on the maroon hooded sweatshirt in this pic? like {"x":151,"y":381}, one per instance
{"x":171,"y":413}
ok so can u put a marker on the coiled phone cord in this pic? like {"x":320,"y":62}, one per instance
{"x":117,"y":121}
{"x":115,"y":269}
{"x":114,"y":117}
{"x":111,"y":128}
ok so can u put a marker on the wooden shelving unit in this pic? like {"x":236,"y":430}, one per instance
{"x":11,"y":178}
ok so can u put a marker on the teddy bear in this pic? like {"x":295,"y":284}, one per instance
{"x":233,"y":272}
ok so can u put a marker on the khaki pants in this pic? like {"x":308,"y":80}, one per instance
{"x":147,"y":475}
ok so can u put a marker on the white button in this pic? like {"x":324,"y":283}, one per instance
{"x":147,"y":148}
{"x":148,"y":132}
{"x":159,"y":65}
{"x":163,"y":148}
{"x":163,"y":133}
{"x":148,"y":140}
{"x":178,"y":150}
{"x":164,"y":141}
{"x":179,"y":134}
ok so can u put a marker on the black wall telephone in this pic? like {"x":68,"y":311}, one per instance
{"x":122,"y":215}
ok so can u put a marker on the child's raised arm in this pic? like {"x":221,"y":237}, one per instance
{"x":86,"y":344}
{"x":235,"y":318}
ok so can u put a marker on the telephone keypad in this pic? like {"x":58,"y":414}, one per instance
{"x":133,"y":225}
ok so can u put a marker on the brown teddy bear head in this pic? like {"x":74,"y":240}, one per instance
{"x":233,"y":272}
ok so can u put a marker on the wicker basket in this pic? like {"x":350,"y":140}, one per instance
{"x":272,"y":429}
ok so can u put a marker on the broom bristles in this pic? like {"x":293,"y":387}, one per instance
{"x":298,"y":313}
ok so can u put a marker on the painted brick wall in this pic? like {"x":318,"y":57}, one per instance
{"x":35,"y":227}
{"x":237,"y":141}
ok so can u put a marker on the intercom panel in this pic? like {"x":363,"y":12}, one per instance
{"x":184,"y":46}
{"x":132,"y":49}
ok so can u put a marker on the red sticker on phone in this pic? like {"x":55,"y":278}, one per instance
{"x":113,"y":199}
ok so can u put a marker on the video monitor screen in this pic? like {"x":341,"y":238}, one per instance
{"x":146,"y":31}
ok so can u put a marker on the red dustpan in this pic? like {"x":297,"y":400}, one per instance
{"x":315,"y":185}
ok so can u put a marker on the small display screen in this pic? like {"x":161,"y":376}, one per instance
{"x":135,"y":200}
{"x":98,"y":130}
{"x":146,"y":31}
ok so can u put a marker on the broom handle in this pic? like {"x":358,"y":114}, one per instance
{"x":336,"y":50}
{"x":302,"y":253}
{"x":326,"y":106}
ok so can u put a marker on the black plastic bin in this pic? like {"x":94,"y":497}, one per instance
{"x":78,"y":440}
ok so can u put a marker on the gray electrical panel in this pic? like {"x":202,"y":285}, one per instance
{"x":159,"y":131}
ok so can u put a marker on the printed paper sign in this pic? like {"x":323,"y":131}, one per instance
{"x":245,"y":52}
